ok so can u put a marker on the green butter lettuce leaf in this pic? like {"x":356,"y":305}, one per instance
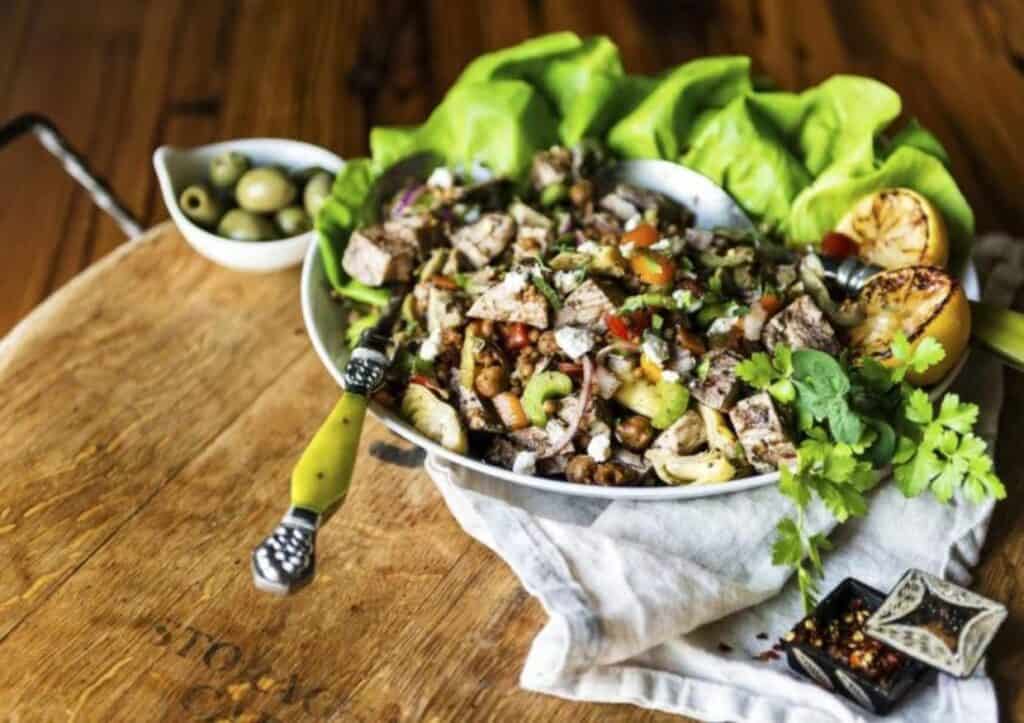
{"x":500,"y":123}
{"x":677,"y":105}
{"x":795,"y":161}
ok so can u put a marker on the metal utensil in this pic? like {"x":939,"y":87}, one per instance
{"x":286,"y":559}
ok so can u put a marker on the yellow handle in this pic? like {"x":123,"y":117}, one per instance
{"x":323,"y":473}
{"x":1000,"y":330}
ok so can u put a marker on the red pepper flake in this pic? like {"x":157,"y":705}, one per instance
{"x":725,"y":648}
{"x":766,"y":656}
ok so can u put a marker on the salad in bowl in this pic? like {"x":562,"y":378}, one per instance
{"x":583,"y":329}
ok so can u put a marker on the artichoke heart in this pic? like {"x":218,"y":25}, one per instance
{"x":433,"y":418}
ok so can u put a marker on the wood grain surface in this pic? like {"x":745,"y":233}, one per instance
{"x":150,"y":412}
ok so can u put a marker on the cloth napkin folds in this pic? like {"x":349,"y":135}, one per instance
{"x":667,"y":605}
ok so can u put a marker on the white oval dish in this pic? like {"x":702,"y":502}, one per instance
{"x":177,"y":168}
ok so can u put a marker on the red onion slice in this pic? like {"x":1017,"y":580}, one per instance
{"x":574,"y":423}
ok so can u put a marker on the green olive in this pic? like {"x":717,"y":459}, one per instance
{"x":246,"y":226}
{"x":227,"y":168}
{"x":292,"y":221}
{"x":317,"y":191}
{"x":265,"y":190}
{"x":201,"y":205}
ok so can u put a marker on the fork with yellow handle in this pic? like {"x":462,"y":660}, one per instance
{"x":286,"y":559}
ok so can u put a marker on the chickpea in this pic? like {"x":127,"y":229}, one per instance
{"x":533,"y":336}
{"x":486,"y":328}
{"x":490,"y":382}
{"x":581,"y":192}
{"x":580,"y":469}
{"x":635,"y":432}
{"x":612,"y":474}
{"x":550,"y":407}
{"x":451,"y":337}
{"x":546,"y":344}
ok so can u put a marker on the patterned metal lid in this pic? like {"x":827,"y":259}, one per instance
{"x":941,"y":624}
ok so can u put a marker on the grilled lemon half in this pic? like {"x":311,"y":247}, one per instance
{"x":920,"y":301}
{"x":897,"y":227}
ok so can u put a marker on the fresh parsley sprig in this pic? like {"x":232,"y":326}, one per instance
{"x":853,"y":420}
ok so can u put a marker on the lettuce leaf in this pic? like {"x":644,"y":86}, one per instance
{"x":795,"y":161}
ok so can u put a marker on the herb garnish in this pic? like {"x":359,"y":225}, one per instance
{"x":854,"y":420}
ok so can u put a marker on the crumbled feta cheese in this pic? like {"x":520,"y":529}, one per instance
{"x":686,"y":301}
{"x":442,"y":177}
{"x":672,"y":245}
{"x":655,"y":348}
{"x":567,"y":281}
{"x":633,"y":222}
{"x":670,"y":376}
{"x":431,"y":346}
{"x":515,"y":281}
{"x":627,"y":250}
{"x":600,"y":447}
{"x":525,"y":463}
{"x":722,"y":325}
{"x":555,"y":429}
{"x":574,"y":342}
{"x":589,"y":247}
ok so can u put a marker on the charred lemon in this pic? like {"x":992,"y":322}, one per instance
{"x":919,"y":301}
{"x":897,"y":227}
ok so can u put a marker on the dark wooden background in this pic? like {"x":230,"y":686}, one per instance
{"x":121,"y":77}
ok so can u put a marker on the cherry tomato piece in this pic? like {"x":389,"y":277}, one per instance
{"x":573,"y":369}
{"x":652,"y":268}
{"x":517,"y":335}
{"x":617,"y":326}
{"x":838,"y":245}
{"x":770,"y":303}
{"x":642,"y":236}
{"x":444,"y":282}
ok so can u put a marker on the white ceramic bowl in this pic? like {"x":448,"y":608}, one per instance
{"x":177,"y":168}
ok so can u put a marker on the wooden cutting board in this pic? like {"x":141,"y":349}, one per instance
{"x":150,"y":413}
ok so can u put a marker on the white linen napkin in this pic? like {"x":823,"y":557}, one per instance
{"x":667,"y":604}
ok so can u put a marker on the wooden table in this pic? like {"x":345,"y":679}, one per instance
{"x":149,"y":414}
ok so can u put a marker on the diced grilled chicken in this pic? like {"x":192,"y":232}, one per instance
{"x":531,"y":242}
{"x":699,"y":239}
{"x":639,"y":464}
{"x":720,"y":387}
{"x":588,"y":305}
{"x":801,"y":325}
{"x":627,"y":201}
{"x":381,"y":254}
{"x":551,"y":166}
{"x":686,"y":435}
{"x":477,"y":415}
{"x":484,"y":240}
{"x":761,"y":433}
{"x":444,"y":310}
{"x":514,"y":299}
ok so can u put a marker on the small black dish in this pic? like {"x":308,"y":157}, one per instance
{"x":878,"y":695}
